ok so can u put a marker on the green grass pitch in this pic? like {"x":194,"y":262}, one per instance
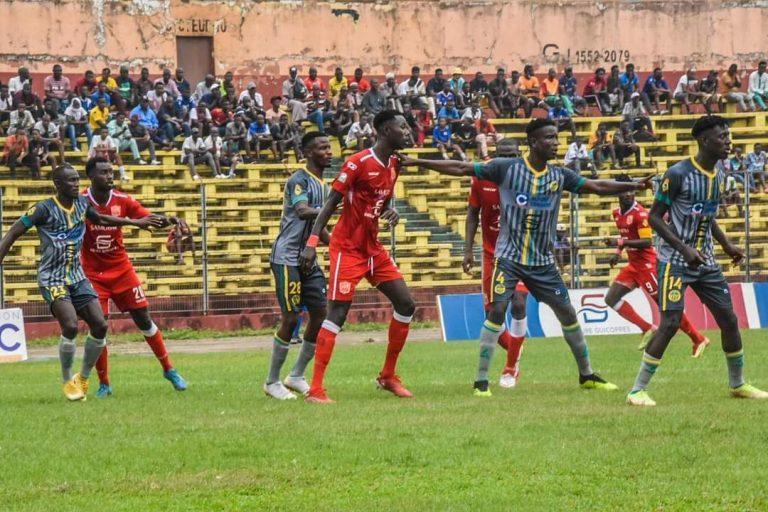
{"x":546,"y":445}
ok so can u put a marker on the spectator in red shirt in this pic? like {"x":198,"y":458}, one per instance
{"x":313,"y":79}
{"x":363,"y":84}
{"x":222,"y":115}
{"x":16,"y":152}
{"x":88,"y":81}
{"x":596,"y":92}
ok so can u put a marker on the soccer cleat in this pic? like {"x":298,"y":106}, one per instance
{"x":647,"y":335}
{"x":394,"y":386}
{"x":481,"y":389}
{"x":278,"y":391}
{"x":104,"y":391}
{"x":698,"y":348}
{"x":297,"y":384}
{"x":318,"y":397}
{"x":73,"y":389}
{"x":509,"y":378}
{"x":748,"y":391}
{"x":640,"y":398}
{"x":594,"y":381}
{"x":179,"y":384}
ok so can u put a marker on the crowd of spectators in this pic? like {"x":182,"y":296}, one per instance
{"x":222,"y":127}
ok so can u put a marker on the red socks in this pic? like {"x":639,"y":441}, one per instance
{"x":514,"y":350}
{"x":326,"y":339}
{"x":398,"y":332}
{"x":102,"y":366}
{"x":687,"y":327}
{"x":628,"y":312}
{"x":155,"y":341}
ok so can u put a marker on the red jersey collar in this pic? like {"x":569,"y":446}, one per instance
{"x":93,"y":200}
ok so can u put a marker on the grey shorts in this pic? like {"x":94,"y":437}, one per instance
{"x":544,"y":282}
{"x":79,"y":294}
{"x":295,"y":289}
{"x":707,"y":282}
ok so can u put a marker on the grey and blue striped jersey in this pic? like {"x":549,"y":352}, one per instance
{"x":301,"y":186}
{"x":693,"y":196}
{"x":61,"y":233}
{"x":530,"y":203}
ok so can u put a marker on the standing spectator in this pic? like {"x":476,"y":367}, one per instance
{"x":531,"y":89}
{"x":50,"y":135}
{"x":577,"y":158}
{"x":601,"y":146}
{"x":435,"y":85}
{"x":260,"y":136}
{"x":143,"y":140}
{"x":624,"y":144}
{"x":182,"y":84}
{"x":413,"y":91}
{"x":143,"y":84}
{"x":687,"y":90}
{"x":730,"y":84}
{"x":252,"y":93}
{"x":758,"y":85}
{"x":442,"y":139}
{"x":102,"y":145}
{"x":313,"y":79}
{"x":20,"y":119}
{"x":195,"y":152}
{"x":57,"y":88}
{"x":373,"y":101}
{"x":655,"y":91}
{"x":486,"y":135}
{"x":499,"y":94}
{"x":756,"y":166}
{"x":169,"y":84}
{"x":287,"y":135}
{"x":360,"y":134}
{"x":16,"y":83}
{"x":204,"y":88}
{"x":126,"y":88}
{"x":157,"y":96}
{"x":77,"y":123}
{"x":635,"y":114}
{"x":99,"y":115}
{"x":362,"y":83}
{"x":88,"y":81}
{"x":120,"y":131}
{"x":568,"y":83}
{"x":457,"y":80}
{"x":551,"y":91}
{"x":596,"y":92}
{"x":337,"y":82}
{"x":615,"y":90}
{"x":236,"y":136}
{"x":560,"y":115}
{"x":629,"y":81}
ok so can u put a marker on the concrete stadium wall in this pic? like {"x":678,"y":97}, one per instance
{"x":264,"y":38}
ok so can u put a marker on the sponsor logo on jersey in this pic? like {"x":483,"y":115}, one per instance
{"x":521,"y":199}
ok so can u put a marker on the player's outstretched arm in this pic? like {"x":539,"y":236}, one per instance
{"x":470,"y":230}
{"x":10,"y":238}
{"x":692,"y":256}
{"x":448,"y":167}
{"x":612,"y":187}
{"x":150,"y":221}
{"x":736,"y":253}
{"x":307,"y":256}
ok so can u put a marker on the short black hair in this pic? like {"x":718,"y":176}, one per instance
{"x":705,"y":123}
{"x":415,"y":69}
{"x":438,"y":70}
{"x":384,"y":117}
{"x":90,"y":165}
{"x":624,"y":178}
{"x":762,"y":63}
{"x":537,"y":124}
{"x":309,"y":138}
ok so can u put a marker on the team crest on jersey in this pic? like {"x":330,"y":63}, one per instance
{"x":345,"y":287}
{"x":500,"y":287}
{"x":674,"y":295}
{"x":630,"y":218}
{"x":115,"y":210}
{"x":554,"y":186}
{"x":343,"y":177}
{"x":297,"y":190}
{"x":665,"y":185}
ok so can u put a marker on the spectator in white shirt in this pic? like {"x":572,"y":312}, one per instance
{"x":413,"y":90}
{"x":16,"y":83}
{"x":51,"y":137}
{"x":634,"y":112}
{"x":105,"y":146}
{"x":157,"y":96}
{"x":758,"y":85}
{"x":577,"y":157}
{"x":77,"y":123}
{"x":473,"y":112}
{"x":250,"y":92}
{"x":120,"y":131}
{"x":20,"y":118}
{"x":360,"y":134}
{"x":687,"y":91}
{"x":195,"y":151}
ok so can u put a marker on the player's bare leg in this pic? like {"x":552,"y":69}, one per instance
{"x":326,"y":340}
{"x":154,"y":338}
{"x":296,"y":380}
{"x":514,"y":341}
{"x":404,"y":307}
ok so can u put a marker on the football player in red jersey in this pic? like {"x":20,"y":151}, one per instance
{"x":484,"y":204}
{"x":365,"y":185}
{"x":636,"y":237}
{"x":106,"y":264}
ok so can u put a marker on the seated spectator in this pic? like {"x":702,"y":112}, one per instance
{"x":465,"y":97}
{"x":498,"y":93}
{"x":99,"y":115}
{"x":551,"y":92}
{"x":106,"y":79}
{"x":737,"y":166}
{"x":577,"y":158}
{"x":343,"y":117}
{"x":687,"y":91}
{"x":568,"y":83}
{"x":295,"y":94}
{"x":227,"y":88}
{"x":389,"y":91}
{"x":20,"y":118}
{"x":16,"y":152}
{"x":223,"y":155}
{"x":478,"y":85}
{"x":362,"y":83}
{"x":157,"y":96}
{"x":50,"y":135}
{"x":318,"y":109}
{"x":730,"y":83}
{"x":186,"y":103}
{"x":195,"y":152}
{"x":85,"y":99}
{"x":562,"y":247}
{"x":507,"y":148}
{"x":596,"y":92}
{"x":260,"y":136}
{"x":635,"y":114}
{"x":413,"y":91}
{"x":373,"y":101}
{"x":435,"y":85}
{"x":442,"y":139}
{"x":517,"y":99}
{"x":102,"y":145}
{"x":449,"y":112}
{"x":200,"y":118}
{"x":148,"y":119}
{"x":126,"y":89}
{"x":57,"y":88}
{"x":251,"y":92}
{"x":102,"y":93}
{"x":144,"y":84}
{"x":709,"y":87}
{"x":170,"y":118}
{"x":443,"y":97}
{"x":16,"y":83}
{"x":655,"y":91}
{"x":473,"y":112}
{"x":169,"y":84}
{"x":248,"y":110}
{"x":630,"y":83}
{"x":360,"y":134}
{"x":120,"y":131}
{"x":272,"y":115}
{"x":531,"y":89}
{"x":457,"y":80}
{"x":6,"y":105}
{"x":221,"y":116}
{"x":615,"y":91}
{"x":466,"y":134}
{"x":182,"y":84}
{"x":204,"y":88}
{"x":287,"y":135}
{"x":624,"y":144}
{"x":143,"y":139}
{"x":355,"y":97}
{"x":88,"y":81}
{"x":486,"y":134}
{"x":337,"y":81}
{"x":313,"y":79}
{"x":236,"y":136}
{"x":26,"y":96}
{"x":561,"y":117}
{"x":756,"y":167}
{"x":758,"y":85}
{"x":601,"y":146}
{"x":77,"y":123}
{"x":424,"y":121}
{"x":731,"y":195}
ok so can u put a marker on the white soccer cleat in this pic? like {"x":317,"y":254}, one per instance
{"x":297,"y":384}
{"x":507,"y":381}
{"x":278,"y":391}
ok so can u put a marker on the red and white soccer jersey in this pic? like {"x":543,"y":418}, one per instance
{"x":485,"y":195}
{"x":355,"y":250}
{"x":104,"y":258}
{"x":641,"y":270}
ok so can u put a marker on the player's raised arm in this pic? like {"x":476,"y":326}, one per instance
{"x":731,"y":249}
{"x":307,"y":257}
{"x":150,"y":221}
{"x":448,"y":167}
{"x":613,"y":187}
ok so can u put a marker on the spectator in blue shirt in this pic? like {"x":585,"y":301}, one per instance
{"x":442,"y":139}
{"x":756,"y":167}
{"x":656,"y":90}
{"x":260,"y":135}
{"x":186,"y":102}
{"x":559,"y":114}
{"x":443,"y":97}
{"x":568,"y":82}
{"x":629,"y":81}
{"x":102,"y":92}
{"x":450,"y":112}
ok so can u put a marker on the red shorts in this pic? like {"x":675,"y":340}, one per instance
{"x":637,"y":275}
{"x":124,"y":288}
{"x":347,"y":270}
{"x":488,"y":275}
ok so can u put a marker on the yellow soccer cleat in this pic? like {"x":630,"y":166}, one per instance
{"x":73,"y":389}
{"x":481,"y":389}
{"x":640,"y":398}
{"x":647,"y":335}
{"x":748,"y":391}
{"x":595,"y":381}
